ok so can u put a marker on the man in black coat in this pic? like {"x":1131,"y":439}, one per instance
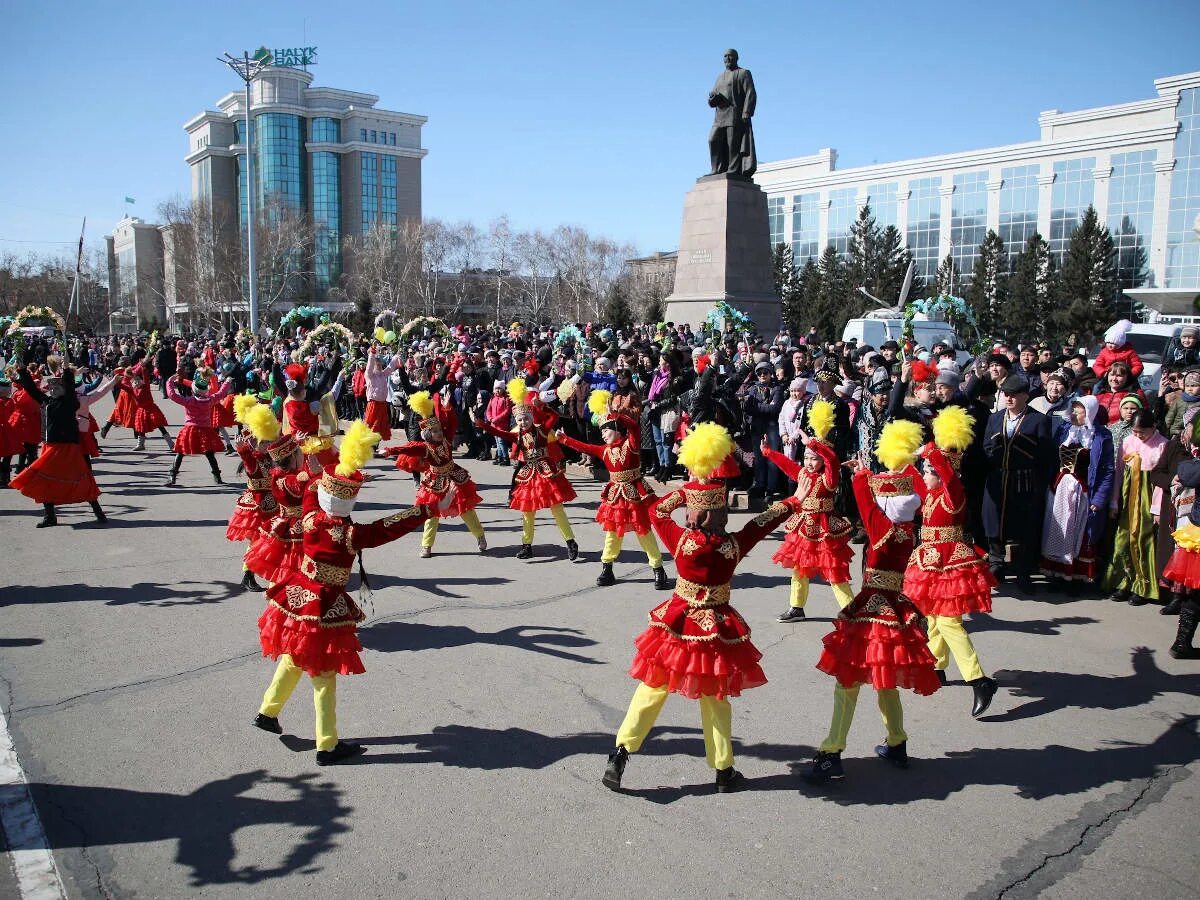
{"x":165,"y":361}
{"x":1022,"y":458}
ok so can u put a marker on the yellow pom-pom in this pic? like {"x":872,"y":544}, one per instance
{"x":357,"y":447}
{"x":565,"y":390}
{"x":379,"y":333}
{"x":598,"y":401}
{"x":898,"y":444}
{"x":705,"y":448}
{"x":517,"y":390}
{"x":421,"y":403}
{"x":820,"y":419}
{"x":242,"y":404}
{"x":261,"y":422}
{"x":953,"y":429}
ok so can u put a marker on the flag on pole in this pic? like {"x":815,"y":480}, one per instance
{"x":130,"y":200}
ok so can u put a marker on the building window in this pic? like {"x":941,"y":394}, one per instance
{"x":924,"y":224}
{"x":1072,"y":195}
{"x":1183,"y":246}
{"x":843,"y":206}
{"x":806,"y":227}
{"x":392,"y":138}
{"x":326,"y":212}
{"x":387,"y":191}
{"x":326,"y":130}
{"x":369,"y":173}
{"x":968,"y":220}
{"x":1018,"y":207}
{"x":775,"y":218}
{"x":1131,"y":214}
{"x":374,"y":137}
{"x":884,"y":205}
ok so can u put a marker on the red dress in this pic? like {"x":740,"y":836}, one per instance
{"x":697,"y":644}
{"x":877,"y":639}
{"x":60,"y":474}
{"x":223,"y":415}
{"x":25,"y":418}
{"x":379,"y":418}
{"x":946,"y":576}
{"x":435,"y":462}
{"x":123,"y":412}
{"x":276,"y":552}
{"x":255,"y":506}
{"x":10,"y":438}
{"x":540,"y":482}
{"x":309,"y":615}
{"x":817,"y":542}
{"x":147,"y":417}
{"x":625,"y":499}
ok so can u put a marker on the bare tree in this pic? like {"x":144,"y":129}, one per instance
{"x":535,"y":256}
{"x":379,"y":271}
{"x":502,"y":250}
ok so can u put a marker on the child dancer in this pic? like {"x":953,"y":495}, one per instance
{"x":255,"y":506}
{"x":197,"y":437}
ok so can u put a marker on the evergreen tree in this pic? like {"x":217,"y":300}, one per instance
{"x":988,"y":290}
{"x":1029,"y":307}
{"x":363,"y":318}
{"x":655,"y":309}
{"x":618,"y":312}
{"x":786,"y":279}
{"x":893,"y":259}
{"x":946,"y":280}
{"x":1131,"y":268}
{"x":806,"y":300}
{"x":1088,"y":282}
{"x":829,"y":312}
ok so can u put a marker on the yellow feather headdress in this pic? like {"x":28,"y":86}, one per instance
{"x":260,"y":421}
{"x":357,"y":448}
{"x":953,"y":429}
{"x":517,"y":391}
{"x":598,"y":402}
{"x":820,"y":419}
{"x":705,"y":448}
{"x":421,"y":403}
{"x":242,"y":404}
{"x":898,"y":444}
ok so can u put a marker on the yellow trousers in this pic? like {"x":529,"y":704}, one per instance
{"x":613,"y":542}
{"x":470,"y":519}
{"x":716,"y":718}
{"x":560,"y":519}
{"x":846,"y":699}
{"x":287,"y":675}
{"x":947,"y":636}
{"x":841,"y":591}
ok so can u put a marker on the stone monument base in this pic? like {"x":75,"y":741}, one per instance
{"x":725,"y":254}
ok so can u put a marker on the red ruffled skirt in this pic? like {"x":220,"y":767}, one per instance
{"x":378,"y":418}
{"x":274,"y":558}
{"x":248,"y":520}
{"x":148,"y":419}
{"x":541,"y":492}
{"x":123,"y":412}
{"x":956,"y":592}
{"x":196,"y":440}
{"x":59,"y":475}
{"x":828,"y":558}
{"x":623,"y":515}
{"x":87,"y":443}
{"x":696,"y":668}
{"x":465,"y":499}
{"x":314,"y":649}
{"x":222,"y":412}
{"x":877,"y":641}
{"x":1182,"y":568}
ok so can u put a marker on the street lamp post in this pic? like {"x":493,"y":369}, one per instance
{"x":248,"y":68}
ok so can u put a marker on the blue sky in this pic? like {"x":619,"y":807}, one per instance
{"x":590,"y":114}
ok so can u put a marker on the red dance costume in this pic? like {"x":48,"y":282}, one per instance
{"x":626,"y":498}
{"x":197,"y":436}
{"x":541,"y":482}
{"x":817,"y":541}
{"x":10,"y":436}
{"x":877,"y":639}
{"x":309,"y":615}
{"x":277,"y":551}
{"x":146,"y":416}
{"x":435,"y":462}
{"x":25,"y":420}
{"x":946,"y":576}
{"x":256,"y":506}
{"x":60,"y":475}
{"x":124,"y":413}
{"x":697,"y":644}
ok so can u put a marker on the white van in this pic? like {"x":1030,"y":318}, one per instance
{"x":877,"y":331}
{"x":1151,"y":342}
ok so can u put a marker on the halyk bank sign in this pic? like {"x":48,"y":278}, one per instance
{"x":287,"y":56}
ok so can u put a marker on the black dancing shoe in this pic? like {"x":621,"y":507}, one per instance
{"x":1173,"y":605}
{"x":615,"y":768}
{"x":985,"y":690}
{"x":267,"y":723}
{"x":793,"y":614}
{"x":942,"y":679}
{"x":606,"y":576}
{"x":47,"y":522}
{"x":660,"y":580}
{"x":572,"y":551}
{"x":249,"y":583}
{"x":1119,"y":596}
{"x":1137,"y":600}
{"x":341,"y":752}
{"x":825,"y":767}
{"x":897,"y":756}
{"x":729,"y":780}
{"x":526,"y":552}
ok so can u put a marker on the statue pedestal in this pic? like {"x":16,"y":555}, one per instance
{"x":725,"y":254}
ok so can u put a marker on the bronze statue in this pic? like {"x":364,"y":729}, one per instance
{"x":731,"y":141}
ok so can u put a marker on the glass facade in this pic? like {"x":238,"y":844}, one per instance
{"x":1073,"y":191}
{"x":279,"y":157}
{"x":326,"y":130}
{"x":1183,"y":244}
{"x":806,"y":228}
{"x":327,"y":213}
{"x":1018,"y":207}
{"x":924,"y":223}
{"x":968,"y":220}
{"x":387,"y":191}
{"x":843,"y":207}
{"x":1131,"y":214}
{"x":369,"y":178}
{"x":884,"y":205}
{"x":775,"y":220}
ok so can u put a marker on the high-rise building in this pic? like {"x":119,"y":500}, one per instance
{"x":135,"y":275}
{"x":1137,"y":163}
{"x":325,"y":153}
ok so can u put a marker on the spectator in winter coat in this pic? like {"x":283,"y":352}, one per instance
{"x":1056,"y":401}
{"x":1118,"y":383}
{"x":1182,"y":352}
{"x":1117,"y":349}
{"x":762,"y":404}
{"x":1188,"y":398}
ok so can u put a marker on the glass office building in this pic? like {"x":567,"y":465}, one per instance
{"x":1137,"y":163}
{"x":328,"y":155}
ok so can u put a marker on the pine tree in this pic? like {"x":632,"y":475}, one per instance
{"x":988,"y":290}
{"x":1089,"y":281}
{"x":363,"y":318}
{"x":655,"y":309}
{"x":786,"y":279}
{"x":618,"y":312}
{"x":806,"y":299}
{"x":893,"y":259}
{"x":1131,"y":268}
{"x":1032,"y":286}
{"x":830,"y":311}
{"x":946,"y":280}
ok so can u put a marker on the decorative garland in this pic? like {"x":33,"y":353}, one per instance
{"x":569,"y":334}
{"x":302,"y":314}
{"x":956,"y":311}
{"x":340,"y":334}
{"x":22,"y":318}
{"x":720,"y":313}
{"x":437,"y":326}
{"x":5,"y":321}
{"x":385,"y":333}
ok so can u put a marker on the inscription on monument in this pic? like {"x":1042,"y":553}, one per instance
{"x":700,"y":257}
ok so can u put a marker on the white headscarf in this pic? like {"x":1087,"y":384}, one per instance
{"x":1081,"y":435}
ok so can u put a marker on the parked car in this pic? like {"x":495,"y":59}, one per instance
{"x":926,"y":332}
{"x":1150,"y":342}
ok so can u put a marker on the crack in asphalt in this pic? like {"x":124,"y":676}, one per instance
{"x":83,"y":848}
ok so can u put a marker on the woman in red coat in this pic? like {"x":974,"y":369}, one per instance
{"x":25,"y":420}
{"x":1117,"y":384}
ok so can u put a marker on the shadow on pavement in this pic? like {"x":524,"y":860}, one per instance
{"x":388,"y":637}
{"x":203,"y":822}
{"x":1058,"y":690}
{"x":981,"y":622}
{"x":436,"y":586}
{"x":20,"y":642}
{"x":143,"y":594}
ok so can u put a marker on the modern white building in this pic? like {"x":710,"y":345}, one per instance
{"x":135,"y":276}
{"x":1137,"y":163}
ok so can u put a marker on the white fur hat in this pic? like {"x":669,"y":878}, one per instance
{"x":1117,"y":333}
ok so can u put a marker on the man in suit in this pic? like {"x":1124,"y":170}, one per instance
{"x":731,"y":141}
{"x":1022,"y":458}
